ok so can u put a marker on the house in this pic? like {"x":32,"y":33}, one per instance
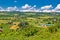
{"x":46,"y":25}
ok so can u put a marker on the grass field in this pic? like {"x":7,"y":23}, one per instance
{"x":29,"y":26}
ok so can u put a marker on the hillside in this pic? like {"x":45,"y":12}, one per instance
{"x":29,"y":26}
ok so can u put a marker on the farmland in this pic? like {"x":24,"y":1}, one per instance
{"x":29,"y":26}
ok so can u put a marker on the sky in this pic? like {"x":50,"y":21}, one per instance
{"x":30,"y":5}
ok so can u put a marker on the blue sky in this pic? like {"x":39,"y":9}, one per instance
{"x":19,"y":3}
{"x":30,"y":5}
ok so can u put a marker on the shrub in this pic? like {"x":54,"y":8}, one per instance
{"x":23,"y":24}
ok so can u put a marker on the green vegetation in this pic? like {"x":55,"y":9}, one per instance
{"x":29,"y":26}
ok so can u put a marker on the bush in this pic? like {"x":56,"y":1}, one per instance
{"x":23,"y":24}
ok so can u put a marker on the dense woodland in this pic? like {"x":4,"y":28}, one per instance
{"x":29,"y":26}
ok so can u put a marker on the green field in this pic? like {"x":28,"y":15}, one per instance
{"x":29,"y":26}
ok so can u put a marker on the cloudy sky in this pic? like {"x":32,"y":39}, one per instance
{"x":30,"y":5}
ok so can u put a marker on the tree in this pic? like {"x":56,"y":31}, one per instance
{"x":23,"y":24}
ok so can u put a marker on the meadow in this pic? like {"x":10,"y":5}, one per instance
{"x":29,"y":26}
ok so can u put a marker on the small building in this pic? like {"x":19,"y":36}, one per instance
{"x":46,"y":25}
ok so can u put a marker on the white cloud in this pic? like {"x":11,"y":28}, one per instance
{"x":29,"y":8}
{"x":34,"y":6}
{"x":57,"y":8}
{"x":46,"y":11}
{"x":12,"y":8}
{"x":26,"y":6}
{"x":15,"y":1}
{"x":1,"y":9}
{"x":46,"y":7}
